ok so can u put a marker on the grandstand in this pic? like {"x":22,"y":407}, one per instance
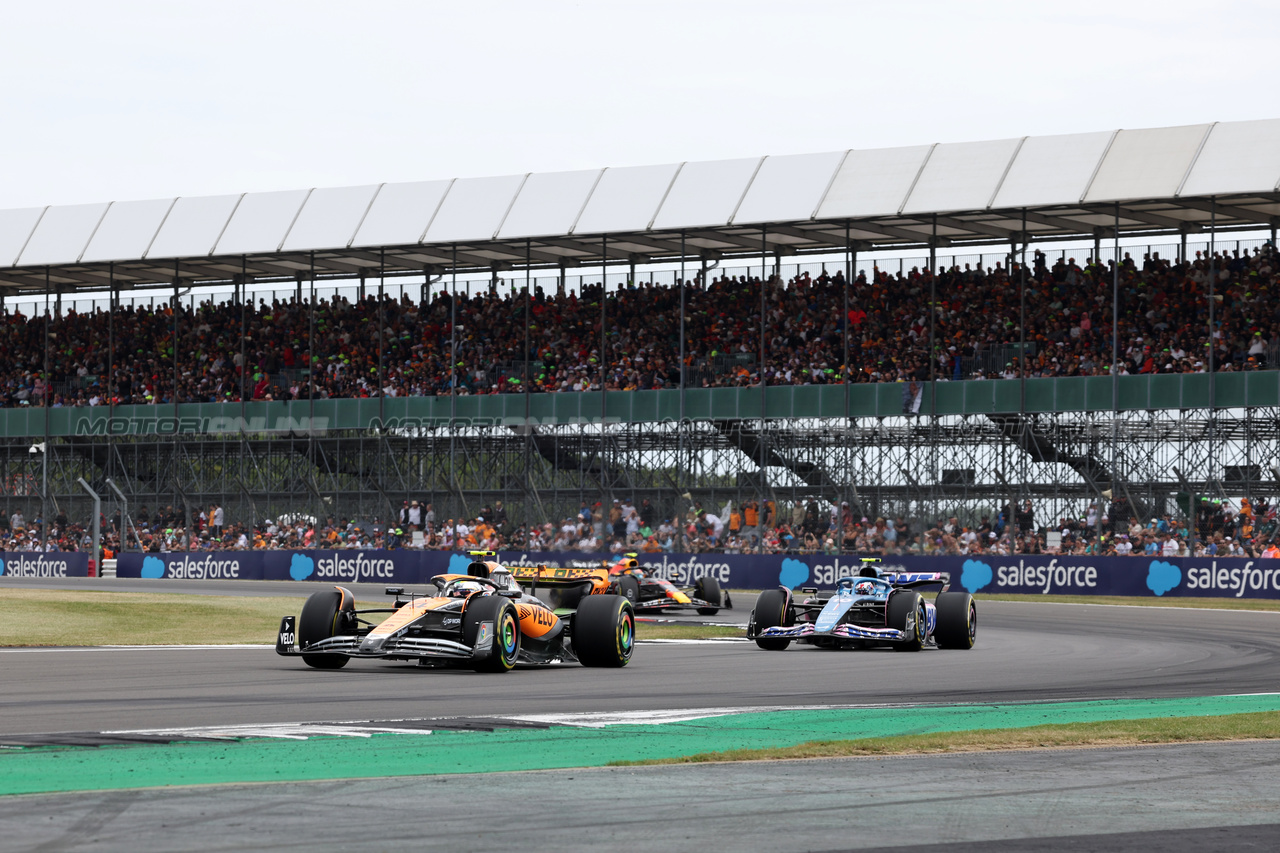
{"x":370,"y":377}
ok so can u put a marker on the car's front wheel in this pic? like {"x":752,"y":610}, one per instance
{"x":629,"y":588}
{"x":326,"y":613}
{"x":906,"y":612}
{"x":771,"y":612}
{"x":501,"y":614}
{"x":708,"y":589}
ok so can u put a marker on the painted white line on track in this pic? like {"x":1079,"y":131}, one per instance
{"x":599,"y":720}
{"x":696,"y":641}
{"x":576,"y":719}
{"x":1152,"y":606}
{"x":285,"y":731}
{"x":258,"y":647}
{"x":205,"y":648}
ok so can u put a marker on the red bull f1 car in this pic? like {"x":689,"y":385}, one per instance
{"x":491,"y":619}
{"x":873,"y":609}
{"x":648,"y":592}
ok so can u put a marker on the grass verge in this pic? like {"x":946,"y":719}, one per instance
{"x":1263,"y":725}
{"x":1142,"y":601}
{"x":35,"y":617}
{"x":669,"y":631}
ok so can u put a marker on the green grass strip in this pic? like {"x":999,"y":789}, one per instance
{"x":1259,"y":726}
{"x":265,"y":760}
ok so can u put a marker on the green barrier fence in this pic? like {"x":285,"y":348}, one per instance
{"x":1077,"y":394}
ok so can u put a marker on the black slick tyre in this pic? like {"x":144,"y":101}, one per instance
{"x":905,"y":611}
{"x":629,"y":588}
{"x":506,"y":632}
{"x":708,"y":589}
{"x":957,"y":620}
{"x":771,"y":612}
{"x":604,"y":631}
{"x":325,"y":615}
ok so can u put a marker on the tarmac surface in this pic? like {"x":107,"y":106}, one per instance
{"x":1124,"y":799}
{"x":1177,"y":799}
{"x":1024,"y":652}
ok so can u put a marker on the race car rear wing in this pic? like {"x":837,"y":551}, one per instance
{"x":910,"y":580}
{"x":551,"y":575}
{"x":560,"y":587}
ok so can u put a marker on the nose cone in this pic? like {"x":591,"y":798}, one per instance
{"x":372,"y":645}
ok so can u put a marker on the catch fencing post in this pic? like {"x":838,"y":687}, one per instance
{"x":97,"y":527}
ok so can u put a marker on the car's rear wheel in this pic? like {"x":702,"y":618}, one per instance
{"x":957,"y":620}
{"x":326,"y":613}
{"x":771,"y":612}
{"x":708,"y":589}
{"x":604,"y":630}
{"x":906,"y":612}
{"x":506,"y":632}
{"x":629,"y":588}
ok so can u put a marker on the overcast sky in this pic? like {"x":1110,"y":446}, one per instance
{"x":124,"y":100}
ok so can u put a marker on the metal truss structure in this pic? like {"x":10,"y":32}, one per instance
{"x":918,"y":468}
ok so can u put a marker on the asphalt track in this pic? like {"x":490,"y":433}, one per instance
{"x":1026,"y":651}
{"x":1175,"y":799}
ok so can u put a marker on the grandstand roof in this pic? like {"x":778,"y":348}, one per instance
{"x":970,"y":192}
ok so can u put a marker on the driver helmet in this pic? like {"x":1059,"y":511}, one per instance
{"x":463,"y":588}
{"x":864,"y":587}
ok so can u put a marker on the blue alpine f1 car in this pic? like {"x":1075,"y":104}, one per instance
{"x":873,"y":609}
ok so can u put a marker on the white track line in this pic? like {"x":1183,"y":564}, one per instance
{"x":577,"y":719}
{"x":1152,"y":606}
{"x":255,"y":647}
{"x":44,"y":650}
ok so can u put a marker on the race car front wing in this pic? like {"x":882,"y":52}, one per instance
{"x":356,"y":646}
{"x":672,"y":604}
{"x":845,"y":631}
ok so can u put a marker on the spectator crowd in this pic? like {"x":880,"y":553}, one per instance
{"x":1223,"y":529}
{"x":475,"y":344}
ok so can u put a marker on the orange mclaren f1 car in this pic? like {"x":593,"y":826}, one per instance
{"x":491,"y":619}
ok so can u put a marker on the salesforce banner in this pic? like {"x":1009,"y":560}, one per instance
{"x":55,"y":564}
{"x":1023,"y":575}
